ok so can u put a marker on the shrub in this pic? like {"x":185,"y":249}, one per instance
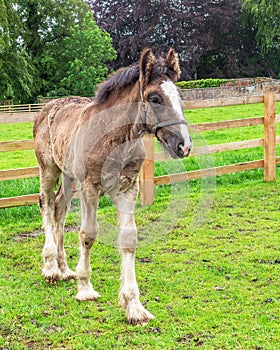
{"x":202,"y":83}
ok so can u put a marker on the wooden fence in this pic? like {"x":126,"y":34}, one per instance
{"x":269,"y":141}
{"x":147,"y":179}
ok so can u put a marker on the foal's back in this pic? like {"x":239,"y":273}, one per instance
{"x":54,"y":126}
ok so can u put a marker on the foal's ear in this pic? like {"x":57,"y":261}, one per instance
{"x":172,"y":64}
{"x":147,"y":60}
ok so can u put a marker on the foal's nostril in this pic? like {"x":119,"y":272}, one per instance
{"x":180,"y":150}
{"x":187,"y":151}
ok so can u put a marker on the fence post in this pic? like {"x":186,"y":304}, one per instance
{"x":269,"y":136}
{"x":147,"y":173}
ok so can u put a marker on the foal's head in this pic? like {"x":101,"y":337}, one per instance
{"x":161,"y":101}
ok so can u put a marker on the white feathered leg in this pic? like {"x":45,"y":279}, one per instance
{"x":62,"y":203}
{"x":50,"y":271}
{"x":129,"y":292}
{"x":88,"y":234}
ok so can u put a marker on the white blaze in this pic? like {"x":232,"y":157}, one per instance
{"x":170,"y":90}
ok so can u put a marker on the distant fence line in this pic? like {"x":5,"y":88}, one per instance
{"x":147,"y":179}
{"x":26,"y":108}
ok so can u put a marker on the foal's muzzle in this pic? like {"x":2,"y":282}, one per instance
{"x":182,"y":150}
{"x":175,"y":144}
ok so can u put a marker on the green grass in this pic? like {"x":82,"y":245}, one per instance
{"x":17,"y":131}
{"x":207,"y":264}
{"x":216,"y":287}
{"x":215,"y":114}
{"x":19,"y":159}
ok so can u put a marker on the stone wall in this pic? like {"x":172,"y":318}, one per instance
{"x":241,"y":87}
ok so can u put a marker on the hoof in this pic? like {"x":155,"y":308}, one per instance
{"x":85,"y":294}
{"x":51,"y":276}
{"x":68,"y":275}
{"x":138,"y":315}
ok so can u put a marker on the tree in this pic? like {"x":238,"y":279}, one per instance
{"x":86,"y":50}
{"x":46,"y":23}
{"x":212,"y":37}
{"x":238,"y":54}
{"x":50,"y":47}
{"x":192,"y":27}
{"x":16,"y":68}
{"x":266,"y":20}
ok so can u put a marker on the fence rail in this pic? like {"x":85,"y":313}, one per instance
{"x":147,"y":179}
{"x":35,"y":107}
{"x":23,"y":173}
{"x":198,"y":174}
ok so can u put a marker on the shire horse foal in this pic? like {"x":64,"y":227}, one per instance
{"x":98,"y":145}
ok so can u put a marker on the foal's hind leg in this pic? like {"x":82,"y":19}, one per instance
{"x":49,"y":177}
{"x":88,"y":234}
{"x":62,"y":203}
{"x":129,"y":292}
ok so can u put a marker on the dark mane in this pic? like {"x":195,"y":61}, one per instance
{"x":126,"y":77}
{"x":121,"y":79}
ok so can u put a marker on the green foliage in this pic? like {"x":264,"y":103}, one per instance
{"x":16,"y":68}
{"x":86,"y":50}
{"x":4,"y":22}
{"x":55,"y":47}
{"x":46,"y":24}
{"x":266,"y":19}
{"x":202,"y":83}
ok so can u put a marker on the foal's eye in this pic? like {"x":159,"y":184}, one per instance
{"x":155,"y":100}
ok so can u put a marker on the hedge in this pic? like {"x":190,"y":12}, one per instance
{"x":202,"y":83}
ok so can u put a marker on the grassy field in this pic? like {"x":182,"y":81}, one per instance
{"x":207,"y":262}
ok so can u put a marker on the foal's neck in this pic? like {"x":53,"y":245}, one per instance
{"x":132,"y":113}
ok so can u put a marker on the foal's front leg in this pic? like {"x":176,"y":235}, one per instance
{"x":62,"y":203}
{"x":129,"y":292}
{"x":49,"y":176}
{"x":88,"y":234}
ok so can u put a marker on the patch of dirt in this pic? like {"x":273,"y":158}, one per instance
{"x":72,"y":228}
{"x":195,"y":339}
{"x":26,"y":235}
{"x":175,"y":251}
{"x":269,"y":262}
{"x":144,"y":260}
{"x":94,"y":333}
{"x":187,"y":296}
{"x":53,"y":329}
{"x":154,"y":330}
